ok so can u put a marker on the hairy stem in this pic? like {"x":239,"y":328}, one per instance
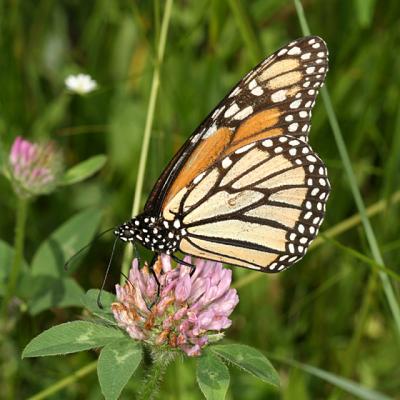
{"x":19,"y":239}
{"x":155,"y":375}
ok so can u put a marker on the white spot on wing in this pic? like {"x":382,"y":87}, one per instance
{"x":235,"y":91}
{"x":303,"y":114}
{"x":244,"y":148}
{"x":289,"y":118}
{"x":295,"y":104}
{"x":252,"y":84}
{"x":233,"y":109}
{"x":257,"y":91}
{"x":278,"y":96}
{"x":244,"y":113}
{"x":226,"y":162}
{"x":268,"y":143}
{"x":294,"y":51}
{"x":217,"y":112}
{"x":198,"y":178}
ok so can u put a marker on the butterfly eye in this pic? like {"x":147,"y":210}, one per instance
{"x":124,"y":232}
{"x":127,"y":233}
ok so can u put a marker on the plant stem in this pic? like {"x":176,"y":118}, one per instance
{"x":155,"y":375}
{"x":155,"y":84}
{"x":344,"y":155}
{"x":362,"y":319}
{"x":19,"y":239}
{"x":87,"y":369}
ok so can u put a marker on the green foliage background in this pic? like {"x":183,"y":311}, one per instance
{"x":329,"y":311}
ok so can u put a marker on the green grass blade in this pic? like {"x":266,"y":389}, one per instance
{"x":344,"y":155}
{"x":155,"y":84}
{"x":245,"y":27}
{"x":347,"y":385}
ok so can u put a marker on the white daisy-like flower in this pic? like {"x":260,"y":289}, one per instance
{"x":80,"y":84}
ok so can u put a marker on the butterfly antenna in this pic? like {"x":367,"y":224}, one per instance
{"x":127,"y":279}
{"x":79,"y":252}
{"x":106,"y":274}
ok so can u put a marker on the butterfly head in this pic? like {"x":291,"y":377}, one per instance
{"x":154,"y":233}
{"x":126,"y":232}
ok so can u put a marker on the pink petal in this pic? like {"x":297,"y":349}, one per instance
{"x":183,"y":288}
{"x":166,"y":262}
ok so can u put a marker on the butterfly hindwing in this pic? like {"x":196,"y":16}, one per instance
{"x":258,"y":207}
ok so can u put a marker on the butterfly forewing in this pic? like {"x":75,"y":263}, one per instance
{"x":274,"y":98}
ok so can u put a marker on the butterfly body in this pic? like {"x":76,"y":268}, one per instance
{"x":246,"y":188}
{"x":156,"y":234}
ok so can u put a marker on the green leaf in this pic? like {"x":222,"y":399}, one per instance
{"x":6,"y":257}
{"x":64,"y":243}
{"x":71,"y":337}
{"x":84,"y":170}
{"x":212,"y":376}
{"x":250,"y":360}
{"x":117,"y":363}
{"x":45,"y":291}
{"x":347,"y":385}
{"x":89,"y":301}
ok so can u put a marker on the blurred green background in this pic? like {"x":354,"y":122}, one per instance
{"x":329,"y":311}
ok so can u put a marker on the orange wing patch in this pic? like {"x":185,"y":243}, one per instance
{"x":256,"y":128}
{"x":257,"y":123}
{"x":222,"y":142}
{"x":207,"y":151}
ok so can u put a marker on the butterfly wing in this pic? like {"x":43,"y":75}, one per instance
{"x":259,"y":206}
{"x":274,"y":98}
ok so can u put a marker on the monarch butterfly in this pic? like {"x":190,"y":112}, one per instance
{"x":246,"y":188}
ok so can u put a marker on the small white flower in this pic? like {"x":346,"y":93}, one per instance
{"x":80,"y":84}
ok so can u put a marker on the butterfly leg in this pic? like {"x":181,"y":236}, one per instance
{"x":182,"y":262}
{"x":151,"y":269}
{"x":137,"y":254}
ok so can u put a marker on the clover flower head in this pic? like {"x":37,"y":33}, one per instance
{"x":190,"y":312}
{"x":34,"y":168}
{"x":80,"y":83}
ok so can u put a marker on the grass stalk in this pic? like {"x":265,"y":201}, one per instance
{"x":61,"y":384}
{"x":155,"y":84}
{"x":245,"y":27}
{"x":344,"y":155}
{"x":361,"y":321}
